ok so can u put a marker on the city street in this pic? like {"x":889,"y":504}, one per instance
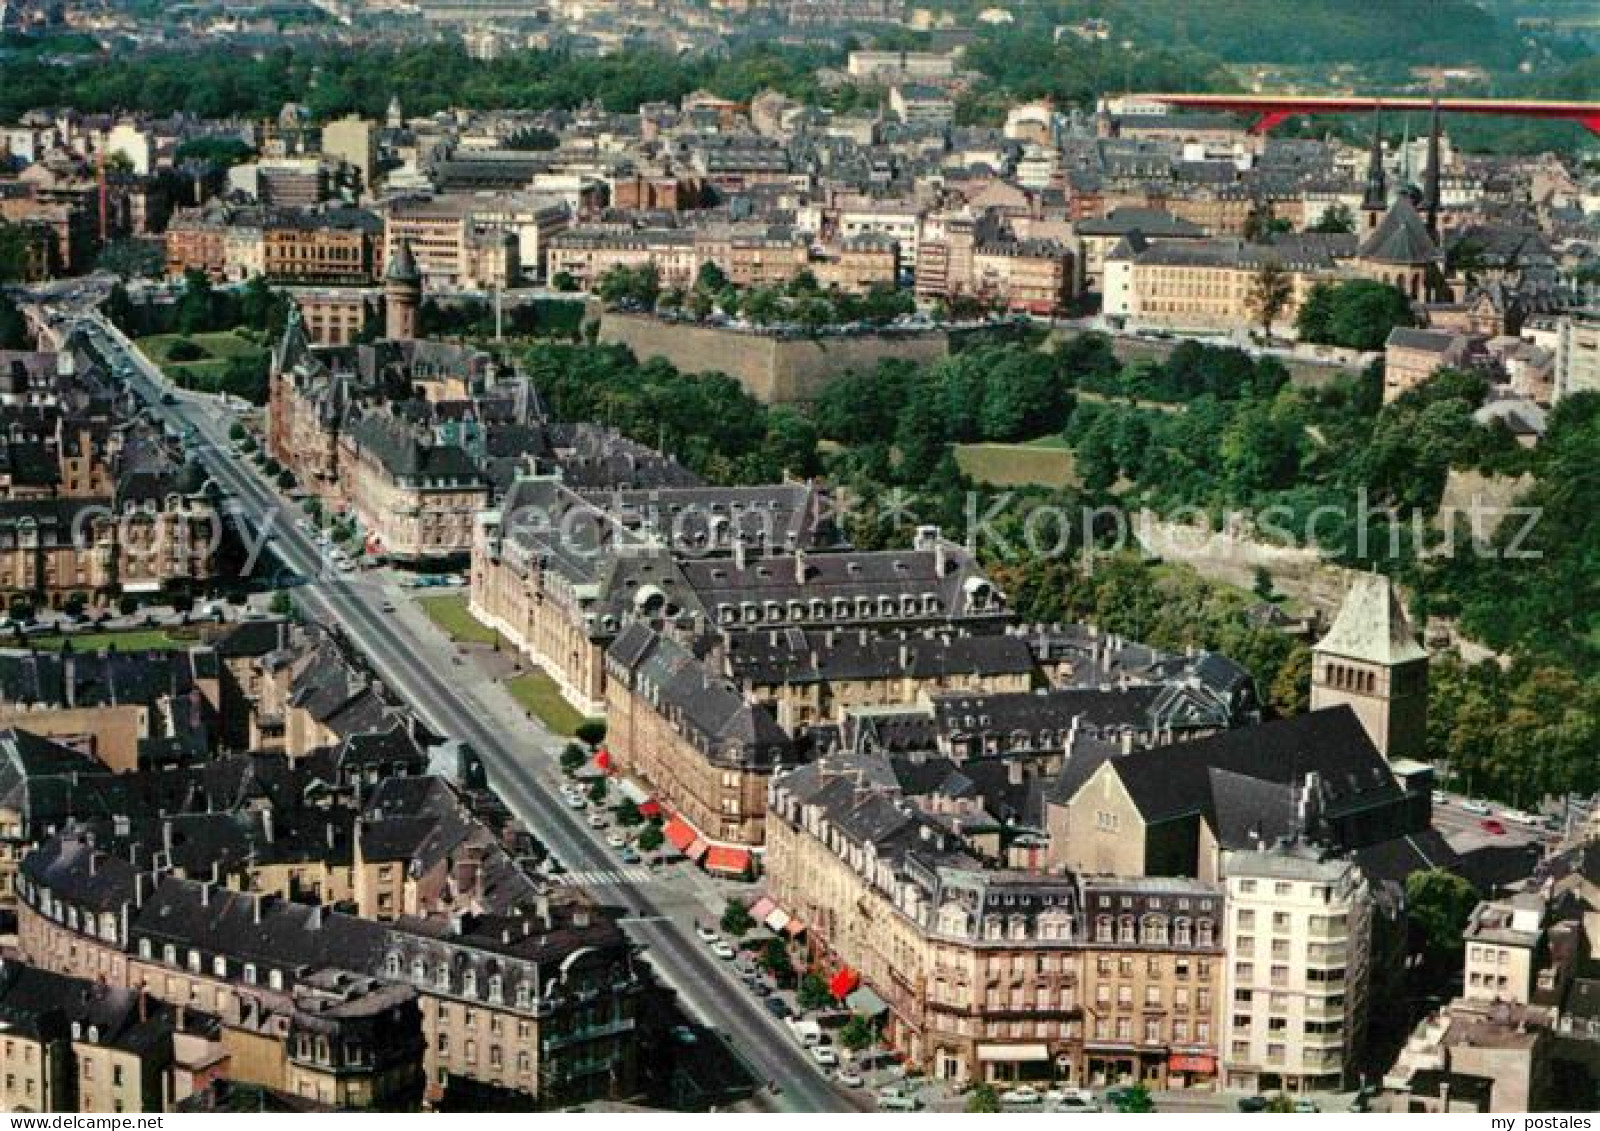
{"x":419,"y":663}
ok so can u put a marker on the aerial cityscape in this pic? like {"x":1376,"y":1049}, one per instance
{"x":800,"y":556}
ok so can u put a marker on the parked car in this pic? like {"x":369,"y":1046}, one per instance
{"x":779,"y":1008}
{"x":895,"y":1099}
{"x":1306,"y":1106}
{"x":1072,"y":1099}
{"x":849,"y":1077}
{"x":1253,"y":1103}
{"x":1440,"y":797}
{"x":576,"y":801}
{"x":825,"y":1056}
{"x":707,"y":935}
{"x":723,"y":951}
{"x":596,"y":820}
{"x":615,"y":839}
{"x":1023,"y":1095}
{"x":1476,"y":808}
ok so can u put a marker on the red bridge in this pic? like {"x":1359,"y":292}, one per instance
{"x":1274,"y":108}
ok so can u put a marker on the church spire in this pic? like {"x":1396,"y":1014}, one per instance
{"x":1376,"y":198}
{"x":1430,"y":187}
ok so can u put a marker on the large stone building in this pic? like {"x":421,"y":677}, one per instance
{"x":983,"y":972}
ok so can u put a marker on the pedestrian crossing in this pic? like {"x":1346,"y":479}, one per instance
{"x":606,"y":877}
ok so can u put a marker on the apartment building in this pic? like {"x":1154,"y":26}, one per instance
{"x":1300,"y":933}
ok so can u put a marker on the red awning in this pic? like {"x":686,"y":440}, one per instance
{"x":1193,"y":1063}
{"x":795,"y":928}
{"x":679,"y":835}
{"x":603,"y":759}
{"x":843,"y":984}
{"x":651,"y":808}
{"x":696,"y":850}
{"x":728,"y":861}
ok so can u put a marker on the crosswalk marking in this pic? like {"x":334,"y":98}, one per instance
{"x":602,"y":877}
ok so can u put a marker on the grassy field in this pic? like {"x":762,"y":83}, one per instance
{"x":538,"y":694}
{"x":220,"y":348}
{"x":1047,"y":462}
{"x":134,"y":640}
{"x":450,"y":613}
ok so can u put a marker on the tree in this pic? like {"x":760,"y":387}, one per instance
{"x":592,"y":731}
{"x":857,"y":1033}
{"x":1439,"y":903}
{"x":775,"y":960}
{"x":1271,"y":290}
{"x":710,"y":279}
{"x":13,"y":326}
{"x":282,"y":604}
{"x":983,"y":1100}
{"x":736,"y":919}
{"x":813,"y":992}
{"x":196,"y":307}
{"x":133,"y":259}
{"x":628,"y":813}
{"x":573,"y":757}
{"x":1336,"y":219}
{"x":598,"y":791}
{"x":237,"y":431}
{"x":1353,"y":314}
{"x":186,"y":349}
{"x":564,"y":282}
{"x":15,"y":251}
{"x":649,"y":838}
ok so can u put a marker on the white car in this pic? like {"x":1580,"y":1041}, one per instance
{"x":576,"y":801}
{"x":615,"y":839}
{"x":1477,"y":808}
{"x":1023,"y":1095}
{"x":707,"y":935}
{"x":723,"y":950}
{"x":825,"y":1056}
{"x":849,"y":1077}
{"x":1072,"y":1099}
{"x":596,"y":820}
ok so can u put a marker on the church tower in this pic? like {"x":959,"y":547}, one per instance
{"x":402,"y":295}
{"x":1375,"y":200}
{"x":1430,"y":176}
{"x":1370,"y":660}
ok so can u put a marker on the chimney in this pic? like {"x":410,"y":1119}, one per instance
{"x":542,"y":909}
{"x":314,"y":920}
{"x":580,"y":916}
{"x":255,"y":908}
{"x":205,"y":895}
{"x":939,"y":563}
{"x":266,"y":824}
{"x":738,"y":551}
{"x":140,"y":882}
{"x":166,"y":838}
{"x":799,"y":567}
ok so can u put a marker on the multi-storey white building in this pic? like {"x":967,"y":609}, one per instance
{"x":1299,"y":933}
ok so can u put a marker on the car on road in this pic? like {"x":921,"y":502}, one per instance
{"x":616,"y":839}
{"x":1026,"y":1094}
{"x":1252,"y":1104}
{"x":597,"y":820}
{"x":1072,"y":1099}
{"x":779,"y":1008}
{"x":707,"y":935}
{"x":1492,"y":827}
{"x":723,"y":951}
{"x":825,"y":1056}
{"x":1306,"y":1106}
{"x":849,"y":1078}
{"x":1476,"y":808}
{"x":576,"y":801}
{"x":387,"y":606}
{"x":628,"y":855}
{"x":895,"y":1099}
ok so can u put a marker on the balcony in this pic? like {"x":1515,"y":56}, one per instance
{"x":556,"y":1041}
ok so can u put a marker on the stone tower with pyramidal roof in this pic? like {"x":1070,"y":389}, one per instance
{"x":1370,"y":660}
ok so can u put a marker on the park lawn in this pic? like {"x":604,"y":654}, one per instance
{"x":451,"y":614}
{"x":220,"y":345}
{"x":538,"y":694}
{"x":133,"y":640}
{"x":1047,"y":463}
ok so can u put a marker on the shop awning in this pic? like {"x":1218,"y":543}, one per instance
{"x":1192,"y":1062}
{"x":728,"y":861}
{"x":761,"y":908}
{"x":649,"y":808}
{"x":777,"y":919}
{"x":1013,"y":1052}
{"x":696,"y":850}
{"x":866,"y":1002}
{"x":679,"y":835}
{"x":603,"y":759}
{"x":795,"y":928}
{"x":842,"y":984}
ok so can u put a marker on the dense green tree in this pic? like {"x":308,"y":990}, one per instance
{"x":1439,"y":903}
{"x":984,"y":1099}
{"x":1356,"y":314}
{"x":736,"y":919}
{"x":13,"y":326}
